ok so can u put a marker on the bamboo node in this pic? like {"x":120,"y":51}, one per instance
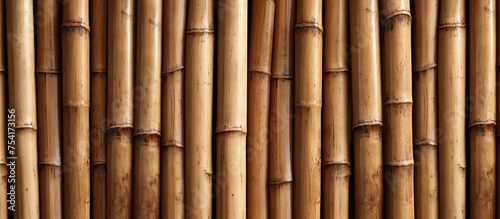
{"x":172,"y":70}
{"x":425,"y":68}
{"x":335,"y":70}
{"x":426,"y":142}
{"x":233,"y":129}
{"x":394,"y":14}
{"x":306,"y":25}
{"x":304,"y":104}
{"x":257,"y":71}
{"x":50,"y":164}
{"x":452,"y":25}
{"x":200,"y":31}
{"x":152,"y":132}
{"x":277,"y":183}
{"x":118,"y":126}
{"x":404,"y":163}
{"x":71,"y":24}
{"x":24,"y":126}
{"x":482,"y":123}
{"x":172,"y":144}
{"x":369,"y":123}
{"x":97,"y":163}
{"x":47,"y":71}
{"x":334,"y":163}
{"x":287,"y":77}
{"x":76,"y":104}
{"x":398,"y":102}
{"x":97,"y":71}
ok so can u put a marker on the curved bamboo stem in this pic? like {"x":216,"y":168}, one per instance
{"x":3,"y":117}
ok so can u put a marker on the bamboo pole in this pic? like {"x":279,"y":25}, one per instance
{"x":22,"y":98}
{"x":367,"y":109}
{"x":199,"y":96}
{"x":3,"y":115}
{"x":308,"y":88}
{"x":497,"y":143}
{"x":231,"y":126}
{"x":172,"y":114}
{"x":336,"y":135}
{"x":482,"y":120}
{"x":425,"y":22}
{"x":259,"y":78}
{"x":147,"y":115}
{"x":48,"y":84}
{"x":120,"y":106}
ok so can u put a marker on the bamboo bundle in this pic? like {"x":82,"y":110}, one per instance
{"x":367,"y":108}
{"x":259,"y":72}
{"x":3,"y":117}
{"x":199,"y":96}
{"x":22,"y":94}
{"x":425,"y":21}
{"x":120,"y":105}
{"x":172,"y":114}
{"x":231,"y":127}
{"x":48,"y":84}
{"x":308,"y":88}
{"x":482,"y":120}
{"x":147,"y":115}
{"x":336,"y":135}
{"x":451,"y":95}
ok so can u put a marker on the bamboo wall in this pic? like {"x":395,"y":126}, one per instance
{"x":249,"y":109}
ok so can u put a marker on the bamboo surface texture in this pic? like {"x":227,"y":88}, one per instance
{"x":22,"y":98}
{"x":367,"y":109}
{"x":3,"y":115}
{"x":172,"y":114}
{"x":259,"y":81}
{"x":425,"y":26}
{"x":497,"y":143}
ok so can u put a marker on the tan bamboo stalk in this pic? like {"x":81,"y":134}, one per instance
{"x":259,"y":81}
{"x":281,"y":112}
{"x":308,"y":88}
{"x":22,"y":98}
{"x":3,"y":115}
{"x":451,"y":96}
{"x":336,"y":127}
{"x":231,"y":126}
{"x":482,"y":120}
{"x":48,"y":84}
{"x":120,"y":106}
{"x":199,"y":96}
{"x":497,"y":143}
{"x":147,"y":113}
{"x":367,"y":109}
{"x":172,"y":115}
{"x":425,"y":20}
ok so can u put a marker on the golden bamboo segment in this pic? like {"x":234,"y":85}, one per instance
{"x":172,"y":115}
{"x":199,"y":91}
{"x":367,"y":109}
{"x":425,"y":20}
{"x":22,"y":98}
{"x":482,"y":120}
{"x":147,"y":113}
{"x":4,"y":172}
{"x":231,"y":126}
{"x":336,"y":127}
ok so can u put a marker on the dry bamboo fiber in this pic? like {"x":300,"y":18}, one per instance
{"x":231,"y":127}
{"x":336,"y":127}
{"x":147,"y":115}
{"x":120,"y":106}
{"x":451,"y":96}
{"x":172,"y":115}
{"x":367,"y":109}
{"x":482,"y":120}
{"x":48,"y":84}
{"x":22,"y":94}
{"x":199,"y":96}
{"x":259,"y":79}
{"x":307,"y":135}
{"x":281,"y":112}
{"x":425,"y":19}
{"x":3,"y":117}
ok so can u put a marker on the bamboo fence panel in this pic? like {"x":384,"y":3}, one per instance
{"x":4,"y":171}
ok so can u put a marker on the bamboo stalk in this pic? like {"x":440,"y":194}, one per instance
{"x":4,"y":172}
{"x":425,"y":22}
{"x":497,"y":143}
{"x":336,"y":135}
{"x":172,"y":115}
{"x":231,"y":126}
{"x":22,"y":98}
{"x":259,"y":76}
{"x":367,"y":108}
{"x":48,"y":76}
{"x":147,"y":115}
{"x":308,"y":88}
{"x":482,"y":120}
{"x":199,"y":96}
{"x":120,"y":106}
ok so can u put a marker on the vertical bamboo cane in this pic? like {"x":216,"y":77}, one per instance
{"x":425,"y":21}
{"x":367,"y":108}
{"x":199,"y":96}
{"x":48,"y":73}
{"x":146,"y":182}
{"x":451,"y":96}
{"x":497,"y":143}
{"x":259,"y":72}
{"x":3,"y":117}
{"x":120,"y":106}
{"x":482,"y":120}
{"x":231,"y":127}
{"x":281,"y":112}
{"x":22,"y":98}
{"x":336,"y":135}
{"x":307,"y":135}
{"x":172,"y":115}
